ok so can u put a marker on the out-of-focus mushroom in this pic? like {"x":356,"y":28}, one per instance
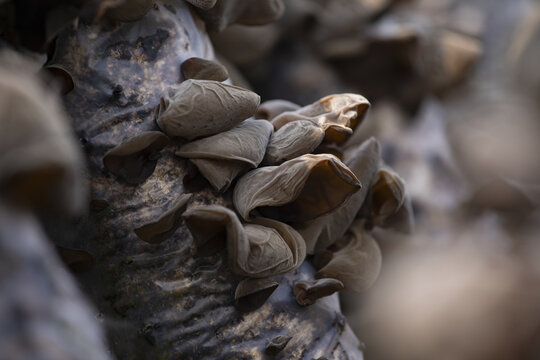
{"x":337,"y":114}
{"x":358,"y":264}
{"x":76,"y":260}
{"x":221,"y":157}
{"x":40,"y":161}
{"x":272,"y":108}
{"x":163,"y":227}
{"x":135,"y":159}
{"x":307,"y":292}
{"x":203,"y":69}
{"x":251,"y":294}
{"x":263,"y":248}
{"x":277,"y":344}
{"x":298,"y":190}
{"x":203,"y":4}
{"x":323,"y":232}
{"x":205,"y":107}
{"x":292,"y":140}
{"x":129,"y":10}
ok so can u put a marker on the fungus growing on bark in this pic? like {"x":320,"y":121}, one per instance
{"x":222,"y":157}
{"x":202,"y":69}
{"x":298,"y":190}
{"x":358,"y":263}
{"x":251,"y":294}
{"x":164,"y":226}
{"x":272,"y":108}
{"x":204,"y":107}
{"x":307,"y":292}
{"x":135,"y":159}
{"x":277,"y":344}
{"x":337,"y":114}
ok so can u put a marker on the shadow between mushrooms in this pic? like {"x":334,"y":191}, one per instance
{"x":337,"y":114}
{"x":222,"y":157}
{"x":263,"y":248}
{"x":298,"y":190}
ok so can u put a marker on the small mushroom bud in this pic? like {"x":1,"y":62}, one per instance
{"x":337,"y":114}
{"x":251,"y":294}
{"x":292,"y":140}
{"x":272,"y":108}
{"x":130,"y":10}
{"x":163,"y":227}
{"x":135,"y":160}
{"x":202,"y":69}
{"x":203,"y":107}
{"x":221,"y":157}
{"x":387,"y":195}
{"x":358,"y":264}
{"x":277,"y":344}
{"x":307,"y":292}
{"x":298,"y":190}
{"x":76,"y":260}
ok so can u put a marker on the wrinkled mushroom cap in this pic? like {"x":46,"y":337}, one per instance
{"x":204,"y":107}
{"x":298,"y":190}
{"x":203,"y":69}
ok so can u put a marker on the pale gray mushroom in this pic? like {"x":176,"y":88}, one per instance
{"x":324,"y":231}
{"x":203,"y":69}
{"x":298,"y":190}
{"x":292,"y":140}
{"x":204,"y":107}
{"x":263,"y":248}
{"x":337,"y":114}
{"x":129,"y":10}
{"x":40,"y":160}
{"x":222,"y":157}
{"x":272,"y":108}
{"x":358,"y":264}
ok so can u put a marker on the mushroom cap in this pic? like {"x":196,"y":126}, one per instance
{"x":307,"y":292}
{"x":298,"y":190}
{"x":272,"y":108}
{"x":130,"y":10}
{"x":204,"y":107}
{"x":251,"y":294}
{"x":203,"y":69}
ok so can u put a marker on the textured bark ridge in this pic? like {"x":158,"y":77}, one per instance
{"x":160,"y":301}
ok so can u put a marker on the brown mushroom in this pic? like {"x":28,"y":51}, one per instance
{"x":323,"y":232}
{"x":307,"y":292}
{"x":203,"y":69}
{"x":76,"y":260}
{"x":204,"y":107}
{"x":298,"y":190}
{"x":292,"y":140}
{"x":162,"y":228}
{"x":135,"y":159}
{"x":277,"y":344}
{"x":337,"y":114}
{"x":251,"y":294}
{"x":272,"y":108}
{"x":222,"y":157}
{"x":203,"y":4}
{"x":358,"y":264}
{"x":129,"y":10}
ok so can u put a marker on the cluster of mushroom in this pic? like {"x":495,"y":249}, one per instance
{"x":290,"y":198}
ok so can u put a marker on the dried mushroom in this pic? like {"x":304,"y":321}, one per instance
{"x":203,"y":4}
{"x":135,"y":160}
{"x":292,"y":140}
{"x":263,"y":248}
{"x":40,"y":161}
{"x":202,"y":69}
{"x":163,"y":227}
{"x":277,"y":344}
{"x":130,"y":10}
{"x":307,"y":292}
{"x":272,"y":108}
{"x":297,"y":190}
{"x":220,"y":158}
{"x":251,"y":294}
{"x":358,"y":264}
{"x":337,"y":114}
{"x":204,"y":107}
{"x":253,"y":12}
{"x":323,"y":232}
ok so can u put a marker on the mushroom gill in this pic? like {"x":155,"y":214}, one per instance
{"x":263,"y":248}
{"x":203,"y":69}
{"x":323,"y":232}
{"x":298,"y":190}
{"x":358,"y":264}
{"x":204,"y":107}
{"x":135,"y":159}
{"x":222,"y":157}
{"x":337,"y":114}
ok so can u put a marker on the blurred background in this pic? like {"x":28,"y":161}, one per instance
{"x":455,"y":88}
